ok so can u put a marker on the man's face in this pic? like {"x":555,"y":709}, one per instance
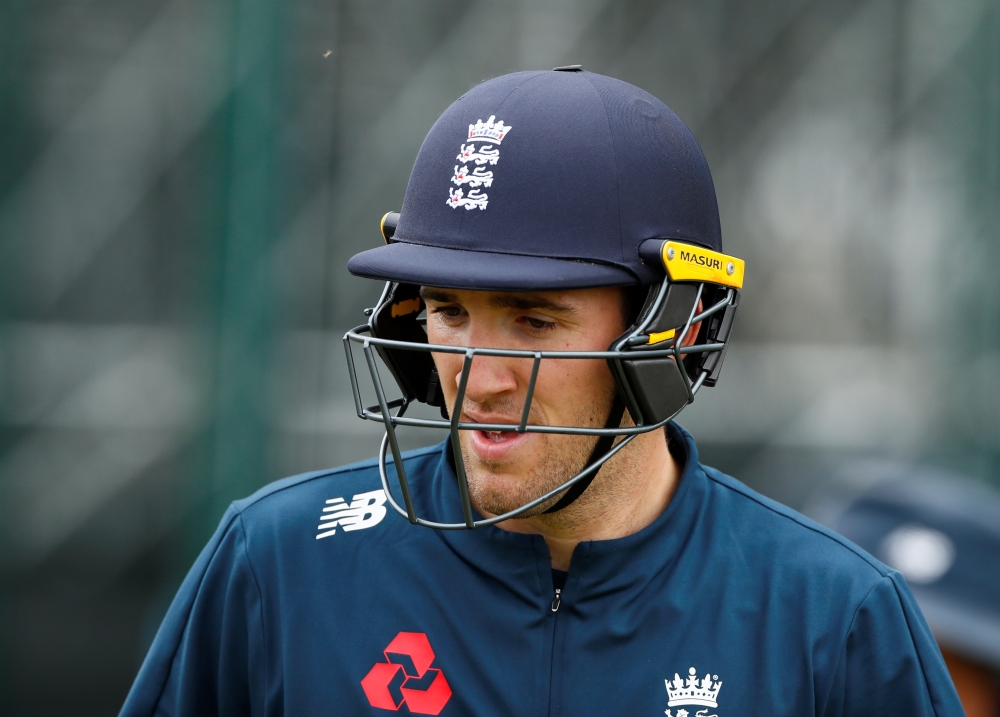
{"x":505,"y":469}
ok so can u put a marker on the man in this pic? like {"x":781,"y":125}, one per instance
{"x":560,"y":230}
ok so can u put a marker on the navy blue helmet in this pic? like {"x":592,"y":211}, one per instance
{"x":553,"y":180}
{"x":548,"y":180}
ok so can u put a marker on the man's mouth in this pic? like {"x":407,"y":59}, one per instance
{"x":497,"y":445}
{"x":499,"y":436}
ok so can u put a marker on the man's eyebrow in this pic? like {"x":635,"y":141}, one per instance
{"x":522,"y":302}
{"x":527,"y":302}
{"x":438,"y":295}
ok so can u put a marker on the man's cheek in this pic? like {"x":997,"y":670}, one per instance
{"x":447,"y":373}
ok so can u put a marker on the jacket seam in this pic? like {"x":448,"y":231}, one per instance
{"x":916,"y":651}
{"x":187,"y":618}
{"x":847,"y":635}
{"x":260,"y":608}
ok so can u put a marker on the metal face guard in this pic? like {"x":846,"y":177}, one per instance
{"x":648,"y":363}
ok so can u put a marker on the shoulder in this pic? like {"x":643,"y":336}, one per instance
{"x":297,"y":503}
{"x":867,"y":643}
{"x":773,"y":536}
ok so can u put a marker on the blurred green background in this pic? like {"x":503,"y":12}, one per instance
{"x":183,"y":181}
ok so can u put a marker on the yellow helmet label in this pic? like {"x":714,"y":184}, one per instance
{"x":686,"y":262}
{"x":659,"y":336}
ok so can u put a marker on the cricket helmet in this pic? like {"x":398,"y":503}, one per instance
{"x":553,"y":180}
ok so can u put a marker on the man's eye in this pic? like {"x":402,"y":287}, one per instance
{"x":539,"y":324}
{"x":450,"y":312}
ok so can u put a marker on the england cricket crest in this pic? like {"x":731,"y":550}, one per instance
{"x":694,"y":692}
{"x":482,"y":149}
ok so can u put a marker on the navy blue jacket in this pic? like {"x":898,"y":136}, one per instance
{"x":728,"y":604}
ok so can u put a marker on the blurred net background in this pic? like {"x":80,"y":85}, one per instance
{"x":183,"y":181}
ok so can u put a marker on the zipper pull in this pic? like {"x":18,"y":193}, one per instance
{"x":557,"y":600}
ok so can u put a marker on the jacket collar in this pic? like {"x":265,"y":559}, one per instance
{"x":522,"y":561}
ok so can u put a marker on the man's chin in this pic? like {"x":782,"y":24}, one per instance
{"x":500,"y":486}
{"x":495,"y":492}
{"x":492,"y":506}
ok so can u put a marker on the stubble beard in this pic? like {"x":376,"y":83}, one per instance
{"x":499,"y":487}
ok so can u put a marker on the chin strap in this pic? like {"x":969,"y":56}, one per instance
{"x":604,"y":444}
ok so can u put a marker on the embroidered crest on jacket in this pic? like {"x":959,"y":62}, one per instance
{"x":692,"y":691}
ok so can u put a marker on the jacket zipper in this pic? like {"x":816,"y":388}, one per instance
{"x":554,"y":608}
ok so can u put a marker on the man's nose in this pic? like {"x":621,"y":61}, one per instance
{"x":490,"y":377}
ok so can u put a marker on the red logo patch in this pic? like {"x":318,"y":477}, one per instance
{"x":407,"y":676}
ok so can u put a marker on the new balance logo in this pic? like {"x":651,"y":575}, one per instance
{"x":407,"y":677}
{"x":364,"y":511}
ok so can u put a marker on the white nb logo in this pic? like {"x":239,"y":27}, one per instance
{"x":364,"y":511}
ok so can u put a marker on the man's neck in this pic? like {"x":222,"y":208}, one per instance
{"x":631,"y":490}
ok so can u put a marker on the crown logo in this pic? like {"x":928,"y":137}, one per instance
{"x":490,"y":130}
{"x":692,"y":691}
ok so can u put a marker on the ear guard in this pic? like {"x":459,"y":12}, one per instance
{"x":396,"y":318}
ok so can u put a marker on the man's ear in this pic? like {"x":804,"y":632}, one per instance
{"x":692,"y":335}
